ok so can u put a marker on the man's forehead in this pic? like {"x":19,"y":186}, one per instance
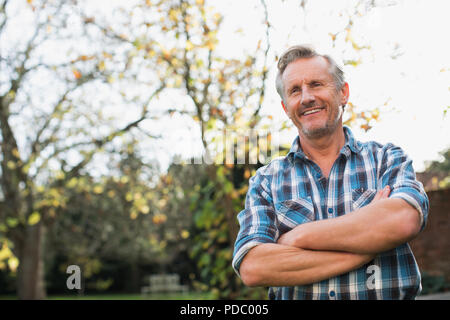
{"x":308,"y":68}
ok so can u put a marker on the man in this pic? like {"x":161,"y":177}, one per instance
{"x":332,"y":219}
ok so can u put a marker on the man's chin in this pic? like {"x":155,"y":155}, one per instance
{"x":318,"y":132}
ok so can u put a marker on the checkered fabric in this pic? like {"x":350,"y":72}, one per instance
{"x":291,"y":190}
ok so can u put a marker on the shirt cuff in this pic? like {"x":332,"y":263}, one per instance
{"x":413,"y":202}
{"x":240,"y":254}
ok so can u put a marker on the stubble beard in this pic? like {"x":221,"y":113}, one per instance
{"x":328,"y":129}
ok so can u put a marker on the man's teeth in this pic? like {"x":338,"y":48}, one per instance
{"x":311,"y":111}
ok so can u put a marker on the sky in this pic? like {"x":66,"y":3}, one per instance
{"x":415,"y":84}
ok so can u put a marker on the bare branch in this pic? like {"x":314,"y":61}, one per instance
{"x":265,"y":68}
{"x":3,"y":10}
{"x":99,"y":143}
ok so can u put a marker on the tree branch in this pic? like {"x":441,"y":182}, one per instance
{"x":265,"y":68}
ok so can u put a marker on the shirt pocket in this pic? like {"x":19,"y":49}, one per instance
{"x":362,"y":197}
{"x":293,"y":212}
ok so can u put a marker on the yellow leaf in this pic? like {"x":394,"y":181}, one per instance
{"x":13,"y":263}
{"x":11,"y":94}
{"x":5,"y":252}
{"x":11,"y":165}
{"x":210,"y":45}
{"x":129,"y":196}
{"x":34,"y":218}
{"x":173,"y":15}
{"x":15,"y":153}
{"x":72,"y":183}
{"x":98,"y":189}
{"x":185,"y":234}
{"x":189,"y":45}
{"x":178,"y":81}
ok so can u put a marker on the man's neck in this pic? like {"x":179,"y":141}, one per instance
{"x":324,"y":149}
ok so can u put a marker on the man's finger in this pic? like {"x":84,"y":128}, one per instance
{"x":386,"y":192}
{"x":378,"y":195}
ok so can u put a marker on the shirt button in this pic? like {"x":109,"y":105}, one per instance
{"x":330,"y":210}
{"x":332,"y":293}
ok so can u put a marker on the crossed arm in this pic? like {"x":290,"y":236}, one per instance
{"x":326,"y":248}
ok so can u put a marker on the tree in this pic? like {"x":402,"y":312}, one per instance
{"x":437,"y":166}
{"x":112,"y":218}
{"x":216,"y":202}
{"x":77,"y":81}
{"x":51,"y":126}
{"x":439,"y":171}
{"x":52,"y":129}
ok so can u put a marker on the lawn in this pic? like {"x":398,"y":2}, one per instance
{"x":119,"y":296}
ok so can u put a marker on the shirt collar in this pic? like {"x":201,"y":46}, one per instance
{"x":351,"y":145}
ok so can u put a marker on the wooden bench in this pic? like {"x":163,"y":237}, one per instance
{"x":164,"y":283}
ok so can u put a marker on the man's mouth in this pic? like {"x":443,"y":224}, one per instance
{"x":312,"y":111}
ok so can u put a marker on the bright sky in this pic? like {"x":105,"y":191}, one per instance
{"x":416,"y":82}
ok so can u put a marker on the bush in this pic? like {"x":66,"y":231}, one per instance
{"x":434,"y":284}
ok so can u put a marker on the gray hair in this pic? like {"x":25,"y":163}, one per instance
{"x":299,"y":52}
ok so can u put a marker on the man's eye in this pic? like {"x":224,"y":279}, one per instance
{"x":316,"y":84}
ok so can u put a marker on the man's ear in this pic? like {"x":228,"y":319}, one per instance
{"x":284,"y":107}
{"x":345,"y":93}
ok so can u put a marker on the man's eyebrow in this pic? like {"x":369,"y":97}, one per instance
{"x":319,"y":79}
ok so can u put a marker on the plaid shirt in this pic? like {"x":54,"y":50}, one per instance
{"x":291,"y":190}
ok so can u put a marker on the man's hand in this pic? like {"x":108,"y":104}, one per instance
{"x":382,"y":194}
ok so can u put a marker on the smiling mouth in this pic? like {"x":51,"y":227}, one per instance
{"x":312,"y":111}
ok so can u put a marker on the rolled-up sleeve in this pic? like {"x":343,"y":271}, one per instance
{"x":398,"y":173}
{"x":257,"y":220}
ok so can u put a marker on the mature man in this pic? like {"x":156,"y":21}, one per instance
{"x":332,"y":219}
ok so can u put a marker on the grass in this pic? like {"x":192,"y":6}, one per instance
{"x":120,"y":296}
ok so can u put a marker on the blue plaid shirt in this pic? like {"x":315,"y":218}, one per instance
{"x":291,"y":190}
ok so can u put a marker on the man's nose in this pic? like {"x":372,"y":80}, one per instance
{"x":307,"y":96}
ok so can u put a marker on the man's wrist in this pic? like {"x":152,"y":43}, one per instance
{"x":297,"y":237}
{"x":300,"y":237}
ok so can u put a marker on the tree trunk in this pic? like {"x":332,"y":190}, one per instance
{"x":30,"y":274}
{"x":230,"y":214}
{"x":133,"y":284}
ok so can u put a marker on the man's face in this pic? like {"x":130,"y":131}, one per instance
{"x":311,"y":99}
